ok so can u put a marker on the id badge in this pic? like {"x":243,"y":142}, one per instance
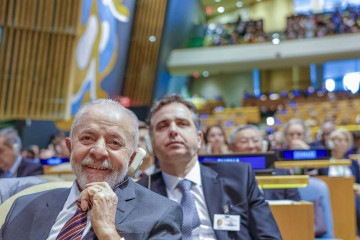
{"x":227,"y":222}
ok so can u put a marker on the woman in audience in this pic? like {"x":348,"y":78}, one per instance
{"x":215,"y":140}
{"x":340,"y":141}
{"x":296,"y":137}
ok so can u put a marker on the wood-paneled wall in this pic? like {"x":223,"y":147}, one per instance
{"x":36,"y":50}
{"x":143,"y":57}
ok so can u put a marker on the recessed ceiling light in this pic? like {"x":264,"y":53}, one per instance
{"x":221,"y":9}
{"x":239,"y":4}
{"x":205,"y":73}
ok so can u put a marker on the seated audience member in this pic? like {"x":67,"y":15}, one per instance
{"x":102,"y":142}
{"x":248,"y":139}
{"x":148,"y":165}
{"x":206,"y":195}
{"x":12,"y":164}
{"x":340,"y":141}
{"x":325,"y":130}
{"x":33,"y":153}
{"x":215,"y":140}
{"x":296,"y":135}
{"x":276,"y":141}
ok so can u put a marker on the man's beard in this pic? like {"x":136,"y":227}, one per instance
{"x":82,"y":178}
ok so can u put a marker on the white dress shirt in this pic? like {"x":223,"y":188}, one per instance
{"x":67,"y":212}
{"x":339,"y":171}
{"x":205,"y":231}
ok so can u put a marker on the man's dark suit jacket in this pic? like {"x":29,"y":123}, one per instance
{"x":232,"y":185}
{"x":29,"y":168}
{"x":141,"y":214}
{"x":280,"y":194}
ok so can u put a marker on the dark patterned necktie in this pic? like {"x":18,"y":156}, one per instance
{"x":74,"y":228}
{"x":191,"y":217}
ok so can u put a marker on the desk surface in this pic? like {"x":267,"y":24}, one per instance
{"x":287,"y":181}
{"x":312,"y":163}
{"x":354,"y":156}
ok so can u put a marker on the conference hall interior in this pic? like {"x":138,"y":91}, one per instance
{"x":267,"y":65}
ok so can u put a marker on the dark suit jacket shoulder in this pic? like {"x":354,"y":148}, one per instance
{"x":232,"y":186}
{"x":141,"y":214}
{"x":29,"y":168}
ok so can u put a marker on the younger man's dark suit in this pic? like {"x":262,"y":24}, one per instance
{"x":230,"y":185}
{"x":140,"y":214}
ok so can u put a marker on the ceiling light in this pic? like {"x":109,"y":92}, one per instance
{"x":239,"y":4}
{"x":221,"y":9}
{"x":217,"y":0}
{"x":152,"y":38}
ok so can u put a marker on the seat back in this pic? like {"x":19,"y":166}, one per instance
{"x":5,"y":207}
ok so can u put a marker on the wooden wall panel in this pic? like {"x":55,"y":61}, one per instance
{"x":36,"y":44}
{"x":143,"y":55}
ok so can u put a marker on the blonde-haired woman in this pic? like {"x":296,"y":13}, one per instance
{"x":340,"y":141}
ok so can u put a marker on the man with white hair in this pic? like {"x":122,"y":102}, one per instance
{"x":12,"y":164}
{"x":103,"y":202}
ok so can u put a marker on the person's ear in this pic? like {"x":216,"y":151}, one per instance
{"x":200,"y":137}
{"x":68,"y":144}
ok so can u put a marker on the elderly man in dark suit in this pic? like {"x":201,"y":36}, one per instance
{"x":218,"y":204}
{"x":103,"y":202}
{"x":248,"y":139}
{"x":11,"y":162}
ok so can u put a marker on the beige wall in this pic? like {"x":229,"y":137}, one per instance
{"x":230,"y":86}
{"x":286,"y":79}
{"x":273,"y":12}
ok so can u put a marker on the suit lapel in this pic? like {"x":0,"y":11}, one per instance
{"x":126,"y":195}
{"x":212,"y":186}
{"x":157,"y":184}
{"x":49,"y":207}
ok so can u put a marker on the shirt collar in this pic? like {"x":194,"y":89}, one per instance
{"x":194,"y":176}
{"x":73,"y":196}
{"x":15,"y":166}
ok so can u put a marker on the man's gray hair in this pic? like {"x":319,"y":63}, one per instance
{"x":11,"y":139}
{"x":116,"y":105}
{"x":242,"y":128}
{"x":296,"y":121}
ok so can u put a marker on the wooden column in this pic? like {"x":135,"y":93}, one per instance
{"x":143,"y":55}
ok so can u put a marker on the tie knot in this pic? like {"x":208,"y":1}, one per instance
{"x":185,"y":185}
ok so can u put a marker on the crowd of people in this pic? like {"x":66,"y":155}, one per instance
{"x":102,"y":144}
{"x":235,"y":33}
{"x":298,"y":26}
{"x":324,"y":24}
